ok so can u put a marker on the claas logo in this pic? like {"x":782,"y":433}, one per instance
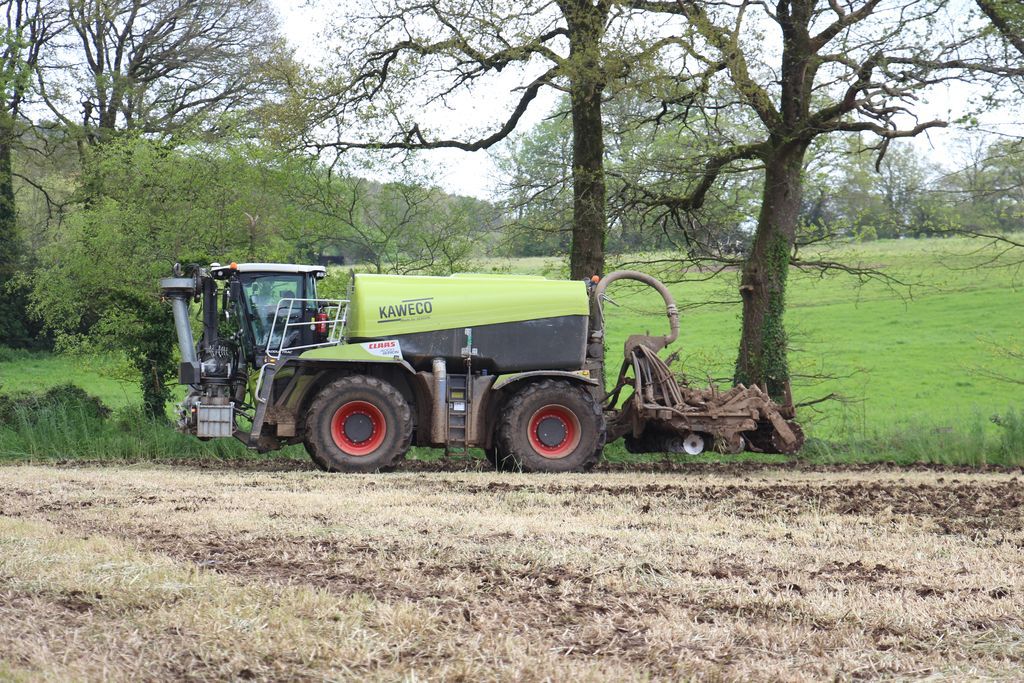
{"x":408,"y":308}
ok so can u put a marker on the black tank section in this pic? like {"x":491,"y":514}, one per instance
{"x":542,"y":344}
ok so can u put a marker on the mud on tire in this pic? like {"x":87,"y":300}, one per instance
{"x":358,"y":424}
{"x":550,"y":426}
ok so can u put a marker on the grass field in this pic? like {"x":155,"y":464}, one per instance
{"x":909,"y":361}
{"x":23,"y":371}
{"x":180,"y":574}
{"x":903,"y":357}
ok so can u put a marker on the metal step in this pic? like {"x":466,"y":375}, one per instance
{"x":457,"y":409}
{"x":264,"y":385}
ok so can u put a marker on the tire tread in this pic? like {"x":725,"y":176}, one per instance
{"x":506,"y":454}
{"x":319,"y":452}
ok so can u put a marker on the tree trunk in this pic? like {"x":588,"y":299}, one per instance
{"x":14,"y":327}
{"x":9,"y":251}
{"x":152,"y":355}
{"x":763,"y":344}
{"x":588,"y":221}
{"x":586,"y":25}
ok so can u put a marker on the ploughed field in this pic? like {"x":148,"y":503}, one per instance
{"x":718,"y":573}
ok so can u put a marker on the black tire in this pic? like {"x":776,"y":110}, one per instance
{"x":537,"y":416}
{"x":358,"y":424}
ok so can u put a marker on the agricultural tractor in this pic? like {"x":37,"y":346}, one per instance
{"x":514,"y":365}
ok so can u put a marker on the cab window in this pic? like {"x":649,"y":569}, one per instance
{"x":262,"y":294}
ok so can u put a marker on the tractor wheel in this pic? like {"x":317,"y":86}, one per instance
{"x":550,"y":426}
{"x":358,"y":424}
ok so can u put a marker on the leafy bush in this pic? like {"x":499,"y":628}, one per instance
{"x":63,"y":398}
{"x":1011,"y":439}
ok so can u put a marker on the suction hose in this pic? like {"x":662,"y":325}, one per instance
{"x":179,"y":290}
{"x":670,"y":303}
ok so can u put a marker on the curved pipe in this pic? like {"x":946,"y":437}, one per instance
{"x":650,"y":281}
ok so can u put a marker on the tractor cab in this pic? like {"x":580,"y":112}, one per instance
{"x":275,"y":306}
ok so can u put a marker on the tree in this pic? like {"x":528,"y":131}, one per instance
{"x":984,"y":199}
{"x":854,"y":195}
{"x":29,"y":25}
{"x":841,"y":66}
{"x":1007,"y":17}
{"x":157,"y":66}
{"x":537,"y":191}
{"x":412,"y":55}
{"x":994,"y":55}
{"x":398,"y":227}
{"x":156,"y":205}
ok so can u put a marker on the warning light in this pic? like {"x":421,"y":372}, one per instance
{"x":595,"y":278}
{"x":233,"y":266}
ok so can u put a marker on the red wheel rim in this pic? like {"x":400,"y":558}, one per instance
{"x":362,"y":412}
{"x":554,"y":431}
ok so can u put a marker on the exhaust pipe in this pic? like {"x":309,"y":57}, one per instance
{"x":209,"y":311}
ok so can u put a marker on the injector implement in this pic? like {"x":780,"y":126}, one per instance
{"x":514,"y":365}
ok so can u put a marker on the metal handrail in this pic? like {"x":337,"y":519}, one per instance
{"x":335,"y":332}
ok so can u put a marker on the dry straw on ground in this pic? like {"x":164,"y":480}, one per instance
{"x":163,"y":573}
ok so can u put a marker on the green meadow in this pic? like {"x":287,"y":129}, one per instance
{"x":906,"y":358}
{"x":895,"y":356}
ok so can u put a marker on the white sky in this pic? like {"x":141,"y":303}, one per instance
{"x":475,"y":174}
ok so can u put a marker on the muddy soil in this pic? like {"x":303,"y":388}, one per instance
{"x":271,"y":463}
{"x":720,"y":559}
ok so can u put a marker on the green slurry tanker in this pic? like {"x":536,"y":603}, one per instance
{"x":514,"y":365}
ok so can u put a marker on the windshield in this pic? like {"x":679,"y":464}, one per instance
{"x":262,"y":293}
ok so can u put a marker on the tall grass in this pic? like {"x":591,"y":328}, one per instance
{"x":66,"y":424}
{"x":972,"y":442}
{"x":60,"y":427}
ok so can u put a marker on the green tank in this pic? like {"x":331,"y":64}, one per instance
{"x":513,"y":323}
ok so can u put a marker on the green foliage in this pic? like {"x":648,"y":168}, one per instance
{"x":987,"y":194}
{"x":1011,"y":436}
{"x":150,"y":205}
{"x":847,"y":196}
{"x":537,"y":195}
